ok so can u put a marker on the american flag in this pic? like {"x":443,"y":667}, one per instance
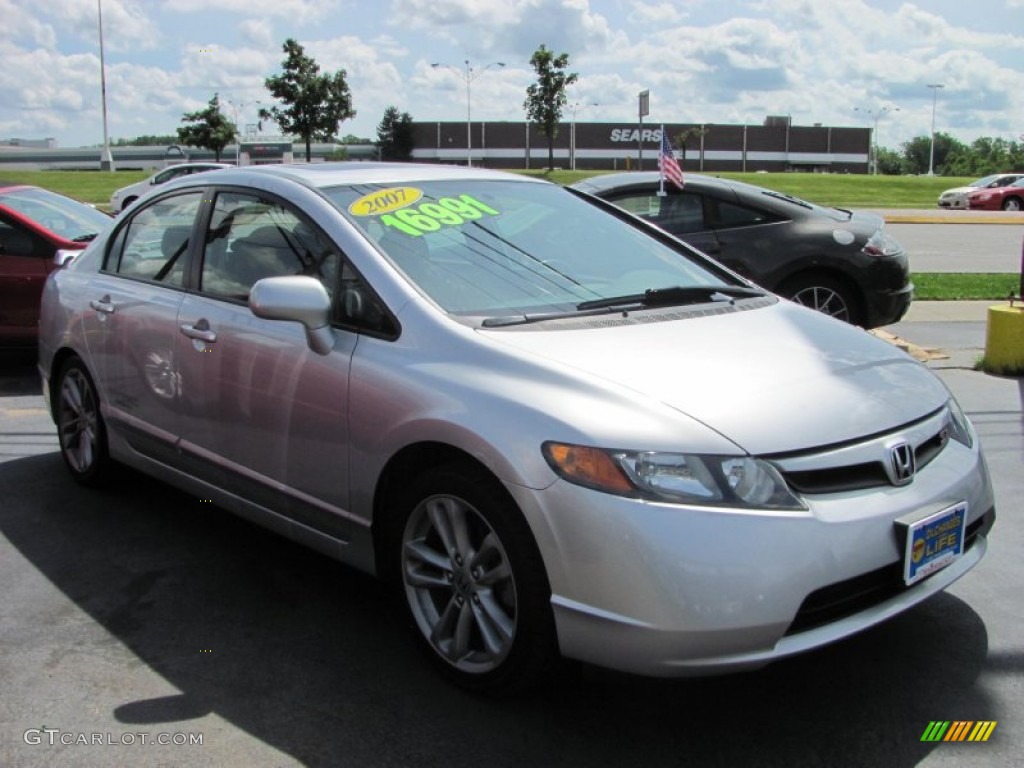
{"x":667,"y":163}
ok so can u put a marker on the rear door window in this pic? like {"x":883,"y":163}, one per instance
{"x":677,"y":212}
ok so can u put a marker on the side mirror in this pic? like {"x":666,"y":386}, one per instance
{"x":299,"y":299}
{"x":64,"y":256}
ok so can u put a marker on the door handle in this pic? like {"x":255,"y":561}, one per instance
{"x":200,"y":331}
{"x":104,"y":305}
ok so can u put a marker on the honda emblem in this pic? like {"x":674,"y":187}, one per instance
{"x":902,"y":464}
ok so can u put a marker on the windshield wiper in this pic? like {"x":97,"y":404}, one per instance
{"x":84,"y":238}
{"x":674,"y":296}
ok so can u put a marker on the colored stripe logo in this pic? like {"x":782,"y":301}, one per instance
{"x":959,"y":730}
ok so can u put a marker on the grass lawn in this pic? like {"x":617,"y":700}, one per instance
{"x":88,"y":186}
{"x":960,"y":286}
{"x":842,"y":190}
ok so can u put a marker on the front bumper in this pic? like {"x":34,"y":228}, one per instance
{"x":887,"y":307}
{"x":665,"y":590}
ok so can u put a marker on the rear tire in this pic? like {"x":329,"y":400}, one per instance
{"x":80,"y":428}
{"x":824,"y":294}
{"x":474,"y":583}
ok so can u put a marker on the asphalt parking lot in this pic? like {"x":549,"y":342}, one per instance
{"x":139,"y":613}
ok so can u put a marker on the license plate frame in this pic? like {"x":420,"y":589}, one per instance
{"x":933,"y":542}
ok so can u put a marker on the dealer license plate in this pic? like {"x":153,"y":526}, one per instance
{"x":933,"y":542}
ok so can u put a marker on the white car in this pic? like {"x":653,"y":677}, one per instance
{"x":957,"y":197}
{"x":125,"y":196}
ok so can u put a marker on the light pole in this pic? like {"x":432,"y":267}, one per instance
{"x":572,"y":130}
{"x":239,"y":108}
{"x":931,"y":155}
{"x":875,"y":115}
{"x":106,"y":159}
{"x":469,"y":77}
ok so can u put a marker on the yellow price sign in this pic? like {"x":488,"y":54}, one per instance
{"x":385,"y":201}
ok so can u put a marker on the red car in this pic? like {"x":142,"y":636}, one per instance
{"x":1008,"y":198}
{"x":34,"y":225}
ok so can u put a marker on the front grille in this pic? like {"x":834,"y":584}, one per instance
{"x":846,"y":598}
{"x":853,"y":477}
{"x":860,"y":466}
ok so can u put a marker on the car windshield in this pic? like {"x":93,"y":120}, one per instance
{"x":489,"y":247}
{"x":985,"y":181}
{"x":61,"y":215}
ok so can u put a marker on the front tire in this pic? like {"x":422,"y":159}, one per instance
{"x":1012,"y":204}
{"x":824,"y":294}
{"x":80,"y":428}
{"x":474,"y":583}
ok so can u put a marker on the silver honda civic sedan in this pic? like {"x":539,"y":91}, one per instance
{"x":559,"y":432}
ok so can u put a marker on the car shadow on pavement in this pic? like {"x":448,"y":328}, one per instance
{"x":18,"y":374}
{"x":312,"y":658}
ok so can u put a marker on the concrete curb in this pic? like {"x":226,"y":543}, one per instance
{"x":939,"y":216}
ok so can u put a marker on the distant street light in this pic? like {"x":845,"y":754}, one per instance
{"x":239,"y":108}
{"x":931,"y":156}
{"x":875,"y":115}
{"x":572,"y":130}
{"x":469,"y":76}
{"x":106,"y":159}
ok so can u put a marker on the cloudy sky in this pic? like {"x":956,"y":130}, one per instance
{"x":837,"y":62}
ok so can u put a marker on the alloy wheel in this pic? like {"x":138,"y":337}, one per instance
{"x":459,"y":584}
{"x":78,"y":421}
{"x":823,"y":299}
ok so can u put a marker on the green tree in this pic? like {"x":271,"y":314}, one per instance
{"x":917,"y":151}
{"x":546,"y":97}
{"x":146,"y":141}
{"x":395,"y":135}
{"x":890,"y":162}
{"x":691,"y":135}
{"x":208,"y":128}
{"x":316,"y":104}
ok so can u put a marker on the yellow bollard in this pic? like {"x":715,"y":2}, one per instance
{"x":1004,"y":340}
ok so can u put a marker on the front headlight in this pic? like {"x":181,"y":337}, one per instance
{"x":678,"y":478}
{"x":959,"y":427}
{"x":881,"y":243}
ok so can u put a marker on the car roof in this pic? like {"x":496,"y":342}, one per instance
{"x":626,"y":179}
{"x":321,"y":175}
{"x":199,"y":164}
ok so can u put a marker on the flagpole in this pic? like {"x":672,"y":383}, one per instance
{"x":661,"y":165}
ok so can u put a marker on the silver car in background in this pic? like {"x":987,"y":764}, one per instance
{"x":559,"y":432}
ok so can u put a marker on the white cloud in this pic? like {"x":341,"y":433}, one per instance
{"x":126,"y":25}
{"x":20,"y":24}
{"x":501,"y":28}
{"x":257,"y":32}
{"x":301,"y":11}
{"x":702,"y":61}
{"x":656,"y":13}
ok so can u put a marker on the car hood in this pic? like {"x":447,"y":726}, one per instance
{"x":959,"y":191}
{"x":772,"y":380}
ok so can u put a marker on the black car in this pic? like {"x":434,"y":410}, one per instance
{"x":840,"y":262}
